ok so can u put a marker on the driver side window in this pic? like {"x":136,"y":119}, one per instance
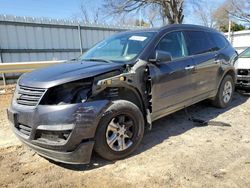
{"x":173,"y":43}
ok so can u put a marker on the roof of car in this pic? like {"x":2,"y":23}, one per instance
{"x":186,"y":26}
{"x":173,"y":26}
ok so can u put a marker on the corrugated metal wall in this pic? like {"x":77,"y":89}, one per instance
{"x":30,"y":39}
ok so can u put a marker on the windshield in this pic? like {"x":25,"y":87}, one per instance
{"x":245,"y":54}
{"x":124,"y":47}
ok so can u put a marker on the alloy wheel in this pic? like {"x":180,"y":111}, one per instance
{"x":227,"y":92}
{"x":119,"y":133}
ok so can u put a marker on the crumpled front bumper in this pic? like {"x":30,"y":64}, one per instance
{"x":42,"y":127}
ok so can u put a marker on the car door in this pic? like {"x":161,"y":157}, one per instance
{"x":172,"y":81}
{"x":205,"y":56}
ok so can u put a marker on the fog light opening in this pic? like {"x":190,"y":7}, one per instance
{"x":53,"y":136}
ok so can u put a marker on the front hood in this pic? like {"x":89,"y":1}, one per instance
{"x":65,"y":72}
{"x":242,"y":63}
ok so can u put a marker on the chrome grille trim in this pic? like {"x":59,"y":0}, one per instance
{"x":29,"y":96}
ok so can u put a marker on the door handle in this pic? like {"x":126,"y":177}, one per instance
{"x":190,"y":67}
{"x":217,"y":61}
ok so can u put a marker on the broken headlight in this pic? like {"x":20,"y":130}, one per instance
{"x":69,"y":93}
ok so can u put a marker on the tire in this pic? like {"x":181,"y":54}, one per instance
{"x":221,"y":101}
{"x":112,"y":144}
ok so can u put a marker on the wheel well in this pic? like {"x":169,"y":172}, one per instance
{"x":122,"y":93}
{"x":231,"y":73}
{"x":132,"y":96}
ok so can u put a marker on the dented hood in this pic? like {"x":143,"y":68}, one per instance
{"x":65,"y":72}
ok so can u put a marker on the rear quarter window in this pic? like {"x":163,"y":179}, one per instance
{"x":198,"y":42}
{"x":219,"y":40}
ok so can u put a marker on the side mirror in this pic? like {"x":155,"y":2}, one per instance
{"x":161,"y":56}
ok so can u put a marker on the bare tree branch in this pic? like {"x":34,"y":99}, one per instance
{"x":84,"y":13}
{"x":172,"y":10}
{"x":204,"y":12}
{"x":89,"y":13}
{"x":240,"y":9}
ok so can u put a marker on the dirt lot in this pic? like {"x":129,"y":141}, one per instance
{"x":176,"y":153}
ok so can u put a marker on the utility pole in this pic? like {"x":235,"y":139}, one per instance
{"x":140,"y":18}
{"x":229,"y":30}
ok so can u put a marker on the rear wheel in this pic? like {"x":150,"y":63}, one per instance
{"x":120,"y":130}
{"x":225,"y":92}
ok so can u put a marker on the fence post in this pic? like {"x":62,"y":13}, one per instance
{"x":1,"y":61}
{"x":80,"y":38}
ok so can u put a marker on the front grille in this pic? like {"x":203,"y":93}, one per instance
{"x":243,"y":82}
{"x":24,"y":129}
{"x":243,"y":72}
{"x":29,"y":96}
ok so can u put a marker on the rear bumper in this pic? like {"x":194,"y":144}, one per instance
{"x":62,"y":133}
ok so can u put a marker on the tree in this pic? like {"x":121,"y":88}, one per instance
{"x":240,"y":9}
{"x":153,"y":15}
{"x":224,"y":12}
{"x":170,"y":10}
{"x":141,"y":23}
{"x":234,"y":27}
{"x":204,"y":12}
{"x":221,"y":17}
{"x":133,"y":22}
{"x":84,"y":13}
{"x":89,"y":13}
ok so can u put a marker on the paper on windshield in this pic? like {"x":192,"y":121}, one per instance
{"x":138,"y":38}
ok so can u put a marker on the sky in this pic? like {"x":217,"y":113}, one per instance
{"x":60,"y":9}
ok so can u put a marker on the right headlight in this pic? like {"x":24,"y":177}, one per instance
{"x":68,"y":93}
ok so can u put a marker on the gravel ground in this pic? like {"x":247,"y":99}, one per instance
{"x":176,"y":153}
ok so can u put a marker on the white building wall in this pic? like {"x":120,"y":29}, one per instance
{"x":240,"y":40}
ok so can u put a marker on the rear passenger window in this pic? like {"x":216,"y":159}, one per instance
{"x":219,"y":40}
{"x":173,"y":43}
{"x":198,"y":42}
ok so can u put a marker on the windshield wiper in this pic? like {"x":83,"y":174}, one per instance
{"x":99,"y":60}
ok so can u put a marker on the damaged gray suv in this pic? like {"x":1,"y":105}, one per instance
{"x":103,"y":100}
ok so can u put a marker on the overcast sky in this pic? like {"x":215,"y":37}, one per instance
{"x":63,"y":9}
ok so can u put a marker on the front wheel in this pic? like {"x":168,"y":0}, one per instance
{"x":120,"y":130}
{"x":225,"y":93}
